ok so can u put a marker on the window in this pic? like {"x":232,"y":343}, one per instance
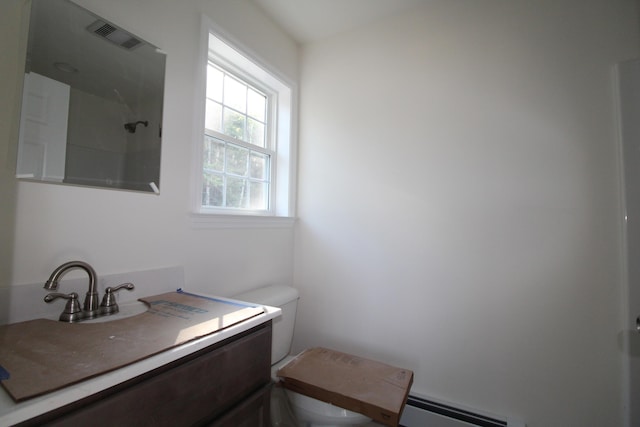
{"x":244,"y":161}
{"x":238,"y":158}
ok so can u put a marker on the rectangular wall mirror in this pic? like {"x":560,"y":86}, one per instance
{"x":92,"y":102}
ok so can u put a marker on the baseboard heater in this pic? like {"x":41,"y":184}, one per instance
{"x":420,"y":412}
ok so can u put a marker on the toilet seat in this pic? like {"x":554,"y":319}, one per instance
{"x":370,"y":387}
{"x":316,"y":411}
{"x":275,"y":367}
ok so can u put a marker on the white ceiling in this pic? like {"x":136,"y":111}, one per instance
{"x":311,"y":20}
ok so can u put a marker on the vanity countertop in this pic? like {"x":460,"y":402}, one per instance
{"x":12,"y":412}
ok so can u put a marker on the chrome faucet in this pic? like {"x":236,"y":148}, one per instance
{"x":91,"y":308}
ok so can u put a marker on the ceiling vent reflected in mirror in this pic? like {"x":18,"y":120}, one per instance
{"x":114,"y":35}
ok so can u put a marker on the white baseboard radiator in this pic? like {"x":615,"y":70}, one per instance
{"x":420,"y":412}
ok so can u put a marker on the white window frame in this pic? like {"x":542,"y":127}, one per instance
{"x":237,"y":59}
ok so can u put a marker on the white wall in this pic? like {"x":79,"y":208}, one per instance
{"x":459,"y":203}
{"x":468,"y":229}
{"x":119,"y":231}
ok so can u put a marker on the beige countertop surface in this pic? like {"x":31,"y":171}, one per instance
{"x":12,"y":412}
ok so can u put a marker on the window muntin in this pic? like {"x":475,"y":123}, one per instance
{"x":235,"y":108}
{"x":235,"y":176}
{"x":237,"y":156}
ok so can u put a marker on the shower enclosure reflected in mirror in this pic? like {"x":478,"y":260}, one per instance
{"x":92,"y":102}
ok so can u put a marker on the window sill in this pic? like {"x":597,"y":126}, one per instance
{"x":240,"y":221}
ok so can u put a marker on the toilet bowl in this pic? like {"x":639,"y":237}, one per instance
{"x":315,"y":413}
{"x":307,"y":411}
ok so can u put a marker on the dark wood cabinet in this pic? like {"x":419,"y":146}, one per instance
{"x":251,"y":412}
{"x":226,"y":384}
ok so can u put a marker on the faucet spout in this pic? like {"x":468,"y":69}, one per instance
{"x":91,"y":299}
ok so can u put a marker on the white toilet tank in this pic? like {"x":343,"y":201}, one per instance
{"x":285,"y":298}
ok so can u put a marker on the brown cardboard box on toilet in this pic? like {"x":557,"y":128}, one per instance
{"x":374,"y":389}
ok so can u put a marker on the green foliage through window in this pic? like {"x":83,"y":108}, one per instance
{"x":234,"y":176}
{"x":235,"y":108}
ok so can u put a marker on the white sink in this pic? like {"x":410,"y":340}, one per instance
{"x":127,"y":309}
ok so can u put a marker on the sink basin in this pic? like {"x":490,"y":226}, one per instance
{"x":127,"y":309}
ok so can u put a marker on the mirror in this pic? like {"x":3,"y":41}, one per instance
{"x":92,"y":102}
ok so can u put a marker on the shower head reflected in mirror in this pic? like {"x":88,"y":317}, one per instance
{"x":131,"y":127}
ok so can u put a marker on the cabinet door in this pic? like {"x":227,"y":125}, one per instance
{"x":192,"y":393}
{"x":252,"y":412}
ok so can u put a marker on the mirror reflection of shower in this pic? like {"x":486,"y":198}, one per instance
{"x":131,"y":127}
{"x":86,"y":145}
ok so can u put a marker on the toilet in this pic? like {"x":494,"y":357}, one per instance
{"x":307,"y":411}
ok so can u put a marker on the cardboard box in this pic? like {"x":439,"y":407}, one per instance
{"x":374,"y":389}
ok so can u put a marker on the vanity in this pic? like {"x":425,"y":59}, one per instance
{"x":107,"y":132}
{"x":220,"y":379}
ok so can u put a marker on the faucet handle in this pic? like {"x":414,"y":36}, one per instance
{"x":72,"y":311}
{"x":109,"y":304}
